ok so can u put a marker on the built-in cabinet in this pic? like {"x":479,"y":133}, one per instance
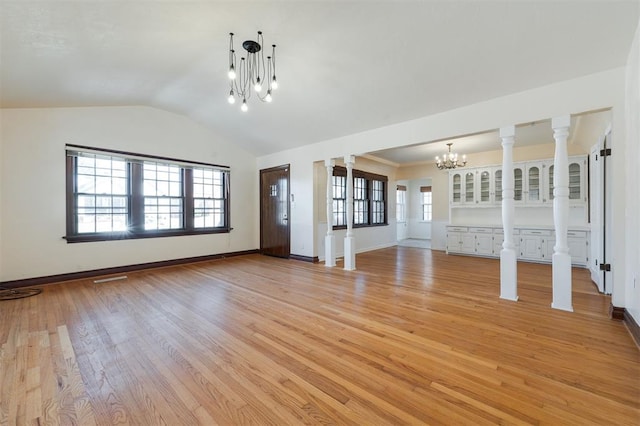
{"x":533,"y":184}
{"x":531,"y":244}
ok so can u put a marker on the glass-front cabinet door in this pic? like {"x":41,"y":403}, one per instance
{"x":456,"y":188}
{"x":469,"y":187}
{"x":518,"y":184}
{"x":550,"y":182}
{"x":575,"y":181}
{"x":534,"y":180}
{"x":497,"y":184}
{"x":484,"y":196}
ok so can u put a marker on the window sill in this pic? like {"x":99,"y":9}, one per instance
{"x":112,"y":236}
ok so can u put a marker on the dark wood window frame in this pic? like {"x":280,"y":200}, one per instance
{"x":370,"y":177}
{"x":135,"y":197}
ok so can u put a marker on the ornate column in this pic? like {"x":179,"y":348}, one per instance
{"x":349,"y":239}
{"x":330,"y":239}
{"x":508,"y":257}
{"x":561,"y":259}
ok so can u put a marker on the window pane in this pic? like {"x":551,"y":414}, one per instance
{"x":208,"y":198}
{"x":100,"y":194}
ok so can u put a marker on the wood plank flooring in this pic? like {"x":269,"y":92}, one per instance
{"x":412,"y":337}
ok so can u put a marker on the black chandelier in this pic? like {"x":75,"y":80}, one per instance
{"x":251,"y":73}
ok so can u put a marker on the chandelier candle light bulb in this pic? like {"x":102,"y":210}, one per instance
{"x":252,"y":73}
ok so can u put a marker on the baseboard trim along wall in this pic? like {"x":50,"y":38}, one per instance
{"x":27,"y":282}
{"x":633,"y":327}
{"x":616,"y":313}
{"x":302,"y":258}
{"x":621,"y":314}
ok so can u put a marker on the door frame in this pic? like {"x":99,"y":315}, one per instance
{"x":287,"y":168}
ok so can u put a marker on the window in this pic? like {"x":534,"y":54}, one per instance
{"x":208,"y":198}
{"x":369,"y":198}
{"x":377,"y":202}
{"x":427,"y":206}
{"x":163,"y":199}
{"x":401,"y":203}
{"x":340,"y":200}
{"x":116,"y":195}
{"x":360,"y":201}
{"x":102,"y":202}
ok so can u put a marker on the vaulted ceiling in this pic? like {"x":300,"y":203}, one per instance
{"x":343,"y":67}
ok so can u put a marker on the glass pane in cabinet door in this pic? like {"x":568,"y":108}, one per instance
{"x":574,"y":181}
{"x":484,"y":186}
{"x":517,"y":184}
{"x":456,"y":188}
{"x":468,"y":186}
{"x":498,"y":181}
{"x":551,"y":182}
{"x":534,"y":184}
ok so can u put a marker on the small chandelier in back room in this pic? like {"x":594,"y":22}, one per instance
{"x":450,"y":160}
{"x":252,"y":73}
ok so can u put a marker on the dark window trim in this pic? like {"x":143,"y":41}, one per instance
{"x":136,"y":205}
{"x":342,"y":171}
{"x":127,"y":154}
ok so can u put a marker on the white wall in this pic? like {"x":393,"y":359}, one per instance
{"x":632,"y":214}
{"x":32,"y":171}
{"x":589,"y":93}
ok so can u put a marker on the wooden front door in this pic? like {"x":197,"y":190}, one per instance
{"x":274,"y":211}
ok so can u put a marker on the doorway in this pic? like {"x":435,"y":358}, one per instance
{"x":414,"y":207}
{"x":274,"y":211}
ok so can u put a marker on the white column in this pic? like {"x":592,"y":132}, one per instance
{"x":508,"y":256}
{"x":349,"y":239}
{"x":561,"y":259}
{"x":330,"y":239}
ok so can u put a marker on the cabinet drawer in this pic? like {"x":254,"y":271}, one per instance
{"x":481,"y":230}
{"x":457,"y":228}
{"x":577,"y":234}
{"x":538,"y":232}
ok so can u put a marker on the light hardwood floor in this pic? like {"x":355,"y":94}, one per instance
{"x":412,"y":337}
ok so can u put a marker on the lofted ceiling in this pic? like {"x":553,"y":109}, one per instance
{"x":343,"y":66}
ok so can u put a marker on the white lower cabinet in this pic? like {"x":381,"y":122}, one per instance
{"x":533,"y":245}
{"x":578,"y":247}
{"x":483,"y":241}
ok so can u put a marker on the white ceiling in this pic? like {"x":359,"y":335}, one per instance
{"x":343,"y":67}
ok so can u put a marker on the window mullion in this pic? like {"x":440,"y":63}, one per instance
{"x":188,"y":212}
{"x":370,"y":201}
{"x":136,"y":198}
{"x":72,"y":201}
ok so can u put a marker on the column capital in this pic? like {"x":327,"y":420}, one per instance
{"x":329,"y":163}
{"x":349,"y":159}
{"x":507,"y":132}
{"x":562,"y":121}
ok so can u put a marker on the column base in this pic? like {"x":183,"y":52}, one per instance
{"x":562,"y":282}
{"x":330,"y":251}
{"x":349,"y":253}
{"x":508,"y":275}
